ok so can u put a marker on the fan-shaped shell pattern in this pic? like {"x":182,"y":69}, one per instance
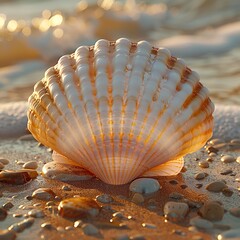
{"x":121,"y":110}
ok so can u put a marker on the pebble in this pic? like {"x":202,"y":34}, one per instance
{"x":144,"y":186}
{"x":45,"y":194}
{"x":212,"y":149}
{"x":233,"y":234}
{"x":36,"y":213}
{"x":4,"y":161}
{"x":226,"y":172}
{"x":3,"y":214}
{"x":149,"y":225}
{"x":78,"y":207}
{"x":19,"y":227}
{"x":227,"y":192}
{"x":235,"y":212}
{"x":8,"y":205}
{"x":201,"y":223}
{"x":215,"y":141}
{"x":137,"y":198}
{"x":137,"y":237}
{"x":17,"y":177}
{"x":30,"y":165}
{"x":228,"y":159}
{"x":203,"y":164}
{"x":1,"y":166}
{"x":176,"y":196}
{"x":7,"y":235}
{"x":65,"y":172}
{"x":235,"y":140}
{"x":173,"y":182}
{"x":66,"y":188}
{"x":238,"y":159}
{"x":179,"y":208}
{"x":212,"y":211}
{"x":118,"y":215}
{"x":200,"y":176}
{"x":216,"y":186}
{"x":198,"y":185}
{"x":104,"y":198}
{"x":122,"y":237}
{"x":89,"y":229}
{"x":47,"y":225}
{"x":78,"y":223}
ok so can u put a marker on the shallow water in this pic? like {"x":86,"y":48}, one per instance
{"x":34,"y":34}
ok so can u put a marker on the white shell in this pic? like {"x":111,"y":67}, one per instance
{"x":121,"y":110}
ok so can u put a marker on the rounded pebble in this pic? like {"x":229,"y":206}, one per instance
{"x":44,"y":194}
{"x":144,"y":185}
{"x":7,"y":235}
{"x":78,"y":223}
{"x":233,"y":234}
{"x":89,"y":229}
{"x":3,"y":214}
{"x":149,"y":225}
{"x":36,"y":213}
{"x":138,"y":198}
{"x":203,"y":164}
{"x":178,"y":208}
{"x":200,"y":176}
{"x":78,"y":207}
{"x":1,"y":166}
{"x":228,"y":159}
{"x":201,"y":223}
{"x":104,"y":198}
{"x":176,"y":196}
{"x":238,"y":159}
{"x":66,"y":188}
{"x":4,"y":161}
{"x":65,"y":172}
{"x":30,"y":165}
{"x":216,"y":186}
{"x":227,"y":192}
{"x":212,"y":211}
{"x":8,"y":205}
{"x":235,"y":212}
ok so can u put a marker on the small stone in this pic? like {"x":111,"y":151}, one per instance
{"x":7,"y":205}
{"x":66,"y":188}
{"x":200,"y":176}
{"x":228,"y":159}
{"x":68,"y":228}
{"x":17,"y":177}
{"x":1,"y":166}
{"x":198,"y":185}
{"x":173,"y":182}
{"x":235,"y":140}
{"x":235,"y":212}
{"x":212,"y":211}
{"x":45,"y":194}
{"x":212,"y":154}
{"x":183,"y":186}
{"x":7,"y":235}
{"x":179,"y":208}
{"x":137,"y":237}
{"x":216,"y":186}
{"x":144,"y":186}
{"x":176,"y":196}
{"x":78,"y":223}
{"x":238,"y":159}
{"x":26,"y":223}
{"x":30,"y":165}
{"x":3,"y":214}
{"x":4,"y":161}
{"x":215,"y":141}
{"x":78,"y":207}
{"x":122,"y":237}
{"x":89,"y":229}
{"x":221,"y":146}
{"x":212,"y":149}
{"x":65,"y":172}
{"x":149,"y":225}
{"x":227,"y":192}
{"x":104,"y":198}
{"x":138,"y":198}
{"x":36,"y":213}
{"x":226,"y":172}
{"x":209,"y":160}
{"x":203,"y":164}
{"x":233,"y":234}
{"x":17,"y":215}
{"x":118,"y":215}
{"x":201,"y":223}
{"x":47,"y":225}
{"x":178,"y":232}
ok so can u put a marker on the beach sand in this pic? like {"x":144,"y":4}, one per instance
{"x":24,"y":149}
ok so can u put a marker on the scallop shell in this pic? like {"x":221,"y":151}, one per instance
{"x":121,"y":110}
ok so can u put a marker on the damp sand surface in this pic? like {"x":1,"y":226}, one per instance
{"x":140,"y":216}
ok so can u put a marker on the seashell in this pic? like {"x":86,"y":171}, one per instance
{"x":121,"y":110}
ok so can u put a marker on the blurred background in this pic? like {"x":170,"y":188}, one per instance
{"x":35,"y":33}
